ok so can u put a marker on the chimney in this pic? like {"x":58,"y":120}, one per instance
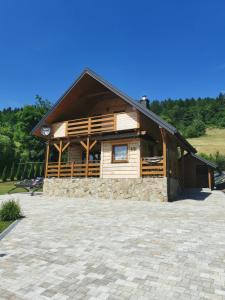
{"x":144,"y":101}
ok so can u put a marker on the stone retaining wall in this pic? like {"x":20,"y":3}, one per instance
{"x":148,"y":189}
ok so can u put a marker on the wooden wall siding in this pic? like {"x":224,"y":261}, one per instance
{"x":152,"y":128}
{"x":149,"y":148}
{"x":190,"y":173}
{"x":108,"y":105}
{"x":127,"y":120}
{"x":173,"y":160}
{"x":59,"y":129}
{"x":75,"y":153}
{"x":120,"y":170}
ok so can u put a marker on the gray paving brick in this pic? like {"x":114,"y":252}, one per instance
{"x":95,"y":249}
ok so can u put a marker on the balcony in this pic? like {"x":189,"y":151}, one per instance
{"x":96,"y":124}
{"x":92,"y":125}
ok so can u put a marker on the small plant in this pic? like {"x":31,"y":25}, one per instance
{"x":10,"y":210}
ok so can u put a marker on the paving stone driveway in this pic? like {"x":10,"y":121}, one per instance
{"x":102,"y":249}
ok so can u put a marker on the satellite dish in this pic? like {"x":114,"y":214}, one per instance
{"x":45,"y":130}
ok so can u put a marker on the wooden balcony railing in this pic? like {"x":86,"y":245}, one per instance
{"x":92,"y":125}
{"x":72,"y":169}
{"x":152,"y":167}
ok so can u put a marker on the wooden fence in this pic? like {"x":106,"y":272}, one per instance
{"x":72,"y":169}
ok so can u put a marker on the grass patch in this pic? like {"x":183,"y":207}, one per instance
{"x":211,"y":142}
{"x":6,"y":186}
{"x":4,"y":225}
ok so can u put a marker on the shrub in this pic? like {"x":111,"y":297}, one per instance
{"x":197,"y":129}
{"x":10,"y":211}
{"x":217,"y":158}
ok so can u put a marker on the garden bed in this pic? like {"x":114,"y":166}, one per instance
{"x":4,"y":225}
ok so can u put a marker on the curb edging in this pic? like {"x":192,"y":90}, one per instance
{"x":8,"y":229}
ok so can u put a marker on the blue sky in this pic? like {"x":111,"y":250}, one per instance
{"x":159,"y":48}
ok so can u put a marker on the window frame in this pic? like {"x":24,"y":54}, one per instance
{"x":113,"y":153}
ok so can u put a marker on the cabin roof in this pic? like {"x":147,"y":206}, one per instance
{"x":171,"y":129}
{"x":203,"y":160}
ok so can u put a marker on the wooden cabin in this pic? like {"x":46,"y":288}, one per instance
{"x":98,"y":136}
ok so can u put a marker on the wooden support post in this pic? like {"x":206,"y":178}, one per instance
{"x":163,"y":134}
{"x":210,"y":178}
{"x":182,"y":166}
{"x":87,"y":155}
{"x":72,"y":168}
{"x":46,"y":159}
{"x":60,"y":157}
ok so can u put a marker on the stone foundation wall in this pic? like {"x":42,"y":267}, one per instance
{"x":148,"y":189}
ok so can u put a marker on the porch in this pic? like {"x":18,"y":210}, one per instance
{"x":149,"y":167}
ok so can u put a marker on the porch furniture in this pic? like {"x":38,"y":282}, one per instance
{"x":30,"y":185}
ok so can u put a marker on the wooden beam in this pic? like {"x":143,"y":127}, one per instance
{"x":56,"y":146}
{"x":64,"y":148}
{"x":164,"y":138}
{"x":84,"y":145}
{"x":60,"y":157}
{"x":46,"y":159}
{"x":92,"y":145}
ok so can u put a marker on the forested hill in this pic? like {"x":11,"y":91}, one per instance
{"x":190,"y":116}
{"x":16,"y":142}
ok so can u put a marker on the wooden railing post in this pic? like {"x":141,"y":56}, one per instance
{"x":72,"y":168}
{"x":87,"y":156}
{"x":46,"y":159}
{"x":163,"y":134}
{"x":114,"y":122}
{"x":89,"y":125}
{"x":60,"y":158}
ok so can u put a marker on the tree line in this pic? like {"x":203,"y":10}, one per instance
{"x":192,"y":116}
{"x":18,"y":147}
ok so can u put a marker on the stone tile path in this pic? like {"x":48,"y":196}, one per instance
{"x":100,"y":249}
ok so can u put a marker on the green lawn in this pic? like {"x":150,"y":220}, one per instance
{"x":6,"y":186}
{"x":211,"y":142}
{"x":4,"y":225}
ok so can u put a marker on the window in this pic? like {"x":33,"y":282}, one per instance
{"x":119,"y":153}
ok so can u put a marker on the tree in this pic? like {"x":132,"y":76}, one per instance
{"x":12,"y":172}
{"x":197,"y":129}
{"x":4,"y":174}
